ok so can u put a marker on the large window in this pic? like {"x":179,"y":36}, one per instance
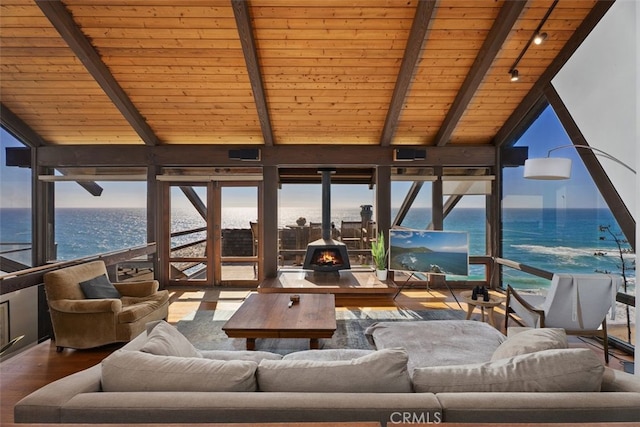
{"x":464,"y":207}
{"x":88,"y":225}
{"x":15,"y":209}
{"x":300,"y":220}
{"x":560,"y":226}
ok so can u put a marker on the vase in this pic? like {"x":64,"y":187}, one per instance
{"x":381,"y":274}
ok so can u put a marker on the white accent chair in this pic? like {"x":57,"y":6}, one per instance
{"x":578,"y":303}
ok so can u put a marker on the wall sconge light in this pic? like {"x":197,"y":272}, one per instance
{"x":539,"y":38}
{"x":408,"y":154}
{"x":551,"y":168}
{"x":514,"y":75}
{"x":245,"y":154}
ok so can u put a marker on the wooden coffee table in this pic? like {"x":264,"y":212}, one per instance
{"x":269,"y":316}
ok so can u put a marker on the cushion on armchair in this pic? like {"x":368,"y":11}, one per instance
{"x":99,"y":288}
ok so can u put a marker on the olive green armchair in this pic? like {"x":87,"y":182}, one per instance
{"x":84,"y":316}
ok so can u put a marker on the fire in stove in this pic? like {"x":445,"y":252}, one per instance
{"x":327,"y":257}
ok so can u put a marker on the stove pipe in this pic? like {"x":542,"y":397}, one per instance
{"x":326,"y":203}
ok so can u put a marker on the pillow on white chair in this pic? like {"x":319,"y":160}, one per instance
{"x":531,"y":341}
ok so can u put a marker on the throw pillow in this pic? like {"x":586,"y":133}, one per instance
{"x":99,"y":288}
{"x":383,"y":371}
{"x":564,"y":370}
{"x":125,"y":371}
{"x":530,"y":341}
{"x":165,"y":340}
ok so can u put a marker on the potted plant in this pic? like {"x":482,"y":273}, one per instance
{"x":379,"y":255}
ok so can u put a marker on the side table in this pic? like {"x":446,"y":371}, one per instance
{"x":494,"y":301}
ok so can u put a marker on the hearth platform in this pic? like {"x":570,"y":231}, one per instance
{"x":344,"y":282}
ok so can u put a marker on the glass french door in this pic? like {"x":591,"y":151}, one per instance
{"x":212,"y":233}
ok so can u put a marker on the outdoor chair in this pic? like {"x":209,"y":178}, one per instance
{"x":315,"y":231}
{"x":351,"y":234}
{"x":88,"y":311}
{"x":255,"y":233}
{"x":578,"y":303}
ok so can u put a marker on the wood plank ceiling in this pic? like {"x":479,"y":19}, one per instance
{"x":274,"y":72}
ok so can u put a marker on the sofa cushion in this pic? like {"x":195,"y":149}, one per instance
{"x":165,"y":340}
{"x":125,"y":371}
{"x":530,"y":341}
{"x":328,"y":354}
{"x":134,"y":311}
{"x":438,"y":342}
{"x":559,"y":370}
{"x":255,"y":356}
{"x":383,"y":371}
{"x":99,"y":288}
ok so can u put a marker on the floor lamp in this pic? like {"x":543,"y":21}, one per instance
{"x":550,"y":168}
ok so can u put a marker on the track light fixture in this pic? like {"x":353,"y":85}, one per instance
{"x":539,"y":38}
{"x":536,"y":38}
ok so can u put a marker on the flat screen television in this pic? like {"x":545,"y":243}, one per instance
{"x":426,"y":251}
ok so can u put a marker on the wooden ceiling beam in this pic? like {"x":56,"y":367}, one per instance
{"x":412,"y":53}
{"x":19,"y":129}
{"x":533,"y":102}
{"x":507,"y":17}
{"x":62,"y":20}
{"x":278,"y":155}
{"x":245,"y":30}
{"x":23,"y":133}
{"x":191,"y":195}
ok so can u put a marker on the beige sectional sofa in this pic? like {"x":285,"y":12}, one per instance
{"x":159,"y":377}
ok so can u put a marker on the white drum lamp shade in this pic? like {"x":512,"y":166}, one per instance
{"x":548,"y":168}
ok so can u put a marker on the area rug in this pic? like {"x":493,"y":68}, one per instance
{"x":204,"y":329}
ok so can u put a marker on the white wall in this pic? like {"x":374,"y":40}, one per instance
{"x":600,"y":87}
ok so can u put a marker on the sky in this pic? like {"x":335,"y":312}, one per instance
{"x":577,"y":192}
{"x":546,"y":132}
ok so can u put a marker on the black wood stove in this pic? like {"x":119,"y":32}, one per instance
{"x":326,"y":254}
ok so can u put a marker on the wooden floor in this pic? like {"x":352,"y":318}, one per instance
{"x":40,"y":365}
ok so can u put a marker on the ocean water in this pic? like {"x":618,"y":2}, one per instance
{"x":563,"y":241}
